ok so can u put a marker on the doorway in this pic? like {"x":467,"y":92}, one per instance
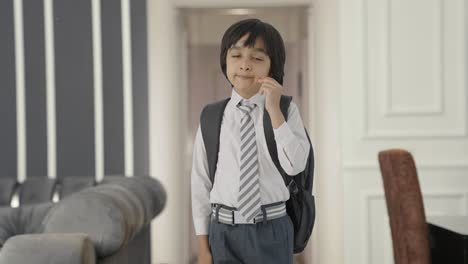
{"x":205,"y":83}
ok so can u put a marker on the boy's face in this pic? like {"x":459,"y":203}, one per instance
{"x":244,"y":65}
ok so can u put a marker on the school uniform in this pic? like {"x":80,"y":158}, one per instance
{"x":266,"y":237}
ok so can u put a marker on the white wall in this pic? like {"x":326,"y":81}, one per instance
{"x":167,"y":131}
{"x":403,"y":83}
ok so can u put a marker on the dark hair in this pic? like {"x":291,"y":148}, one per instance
{"x":274,"y":44}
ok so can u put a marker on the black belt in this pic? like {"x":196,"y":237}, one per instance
{"x":229,"y":215}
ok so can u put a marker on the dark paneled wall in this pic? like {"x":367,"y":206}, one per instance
{"x":35,"y":87}
{"x":140,"y":84}
{"x":74,"y":88}
{"x":7,"y":92}
{"x":112,"y":87}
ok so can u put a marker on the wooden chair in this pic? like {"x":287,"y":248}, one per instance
{"x":405,"y":207}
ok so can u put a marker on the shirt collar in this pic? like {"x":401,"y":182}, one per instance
{"x":257,"y":99}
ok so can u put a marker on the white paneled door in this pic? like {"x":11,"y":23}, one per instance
{"x":403,"y":85}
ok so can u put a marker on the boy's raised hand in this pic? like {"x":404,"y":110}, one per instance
{"x":273,"y":91}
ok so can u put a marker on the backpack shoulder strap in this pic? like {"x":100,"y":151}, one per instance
{"x":309,"y":181}
{"x":285,"y":101}
{"x":210,"y":125}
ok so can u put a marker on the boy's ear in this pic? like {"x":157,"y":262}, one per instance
{"x":271,"y":75}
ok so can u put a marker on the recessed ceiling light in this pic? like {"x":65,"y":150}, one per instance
{"x":240,"y":11}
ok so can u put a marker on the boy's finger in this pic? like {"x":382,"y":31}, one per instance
{"x":271,"y":81}
{"x":268,"y":86}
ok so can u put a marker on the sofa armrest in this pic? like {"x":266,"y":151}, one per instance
{"x":111,"y":214}
{"x":48,"y":249}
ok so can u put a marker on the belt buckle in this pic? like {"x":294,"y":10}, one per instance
{"x":239,"y":219}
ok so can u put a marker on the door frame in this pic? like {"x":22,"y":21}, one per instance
{"x":167,"y":87}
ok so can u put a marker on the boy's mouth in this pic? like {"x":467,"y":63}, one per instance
{"x":244,"y":77}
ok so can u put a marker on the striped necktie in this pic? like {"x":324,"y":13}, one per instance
{"x":249,"y":188}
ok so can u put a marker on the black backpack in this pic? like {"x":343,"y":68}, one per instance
{"x":301,"y":204}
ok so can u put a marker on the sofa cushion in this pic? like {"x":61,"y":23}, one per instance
{"x":36,"y":190}
{"x":7,"y":224}
{"x":7,"y":187}
{"x":22,"y":220}
{"x":73,"y":184}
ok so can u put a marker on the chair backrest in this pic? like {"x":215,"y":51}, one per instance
{"x":405,"y":207}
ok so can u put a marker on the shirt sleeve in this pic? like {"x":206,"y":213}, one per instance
{"x":292,"y":143}
{"x":201,"y":187}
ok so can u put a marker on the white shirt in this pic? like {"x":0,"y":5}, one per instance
{"x":293,"y":149}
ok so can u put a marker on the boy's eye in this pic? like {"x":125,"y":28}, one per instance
{"x":259,"y":59}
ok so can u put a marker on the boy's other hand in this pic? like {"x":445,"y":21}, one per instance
{"x":204,"y":252}
{"x":204,"y":257}
{"x":273,"y":91}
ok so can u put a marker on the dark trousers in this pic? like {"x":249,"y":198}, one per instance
{"x":269,"y":243}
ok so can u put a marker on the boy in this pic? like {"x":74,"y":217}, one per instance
{"x":229,"y":215}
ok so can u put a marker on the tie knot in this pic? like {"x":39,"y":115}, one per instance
{"x":246,"y":107}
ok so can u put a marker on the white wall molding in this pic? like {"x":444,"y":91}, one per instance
{"x":457,"y":129}
{"x":369,"y":196}
{"x":381,"y":110}
{"x":382,"y":134}
{"x":20,"y":91}
{"x":50,"y":88}
{"x":437,"y":107}
{"x":445,"y":165}
{"x":98,"y":92}
{"x":127,"y":88}
{"x":366,"y":198}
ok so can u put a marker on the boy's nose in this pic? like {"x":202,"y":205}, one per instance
{"x":245,"y":67}
{"x":245,"y":64}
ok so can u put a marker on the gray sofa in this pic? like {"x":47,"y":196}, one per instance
{"x":104,"y":223}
